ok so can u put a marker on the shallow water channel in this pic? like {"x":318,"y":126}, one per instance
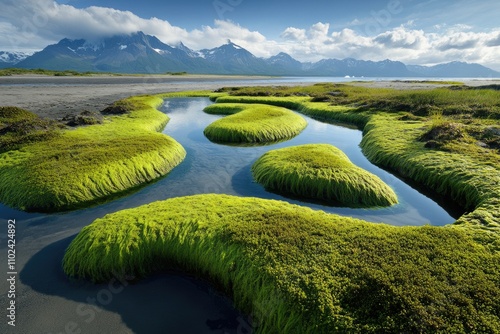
{"x":215,"y":168}
{"x":47,"y":302}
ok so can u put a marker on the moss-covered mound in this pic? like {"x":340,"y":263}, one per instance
{"x":296,"y":270}
{"x":81,"y":166}
{"x":225,"y":108}
{"x":322,"y":172}
{"x":254,"y":123}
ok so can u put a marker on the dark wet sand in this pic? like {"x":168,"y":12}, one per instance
{"x":56,"y":97}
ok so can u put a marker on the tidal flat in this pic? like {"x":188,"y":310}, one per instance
{"x":427,"y":261}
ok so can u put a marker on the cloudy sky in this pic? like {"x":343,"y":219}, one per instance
{"x":423,"y":32}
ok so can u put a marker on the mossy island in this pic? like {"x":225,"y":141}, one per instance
{"x":298,"y":270}
{"x":45,"y":167}
{"x":321,"y":172}
{"x":253,"y":124}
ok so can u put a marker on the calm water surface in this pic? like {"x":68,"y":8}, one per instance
{"x":47,"y":302}
{"x":214,"y":168}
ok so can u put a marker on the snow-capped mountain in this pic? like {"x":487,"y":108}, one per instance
{"x":10,"y":59}
{"x":141,"y":53}
{"x":188,"y":51}
{"x":136,"y":53}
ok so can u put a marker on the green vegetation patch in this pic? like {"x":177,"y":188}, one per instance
{"x":254,"y":123}
{"x":296,"y":270}
{"x":322,"y":172}
{"x":444,"y":139}
{"x":77,"y":167}
{"x":481,"y":102}
{"x":463,"y":172}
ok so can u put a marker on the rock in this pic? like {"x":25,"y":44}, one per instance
{"x":84,"y":118}
{"x":115,"y":110}
{"x":432,"y":144}
{"x":444,"y":132}
{"x":492,"y":131}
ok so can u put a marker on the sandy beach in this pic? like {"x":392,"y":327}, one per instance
{"x":56,"y":97}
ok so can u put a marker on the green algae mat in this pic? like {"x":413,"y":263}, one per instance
{"x":322,"y":172}
{"x":296,"y":270}
{"x":253,"y":123}
{"x":49,"y":169}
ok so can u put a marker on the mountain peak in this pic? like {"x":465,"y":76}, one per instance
{"x":233,"y":45}
{"x":141,"y":53}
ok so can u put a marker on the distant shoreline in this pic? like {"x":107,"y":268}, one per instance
{"x":58,"y":96}
{"x":55,"y":97}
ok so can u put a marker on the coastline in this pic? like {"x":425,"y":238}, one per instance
{"x":55,"y":97}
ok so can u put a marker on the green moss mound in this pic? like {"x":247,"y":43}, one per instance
{"x":88,"y":164}
{"x":253,"y":123}
{"x":296,"y":270}
{"x":225,"y":108}
{"x":322,"y":172}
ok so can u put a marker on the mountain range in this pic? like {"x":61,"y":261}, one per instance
{"x":141,"y":53}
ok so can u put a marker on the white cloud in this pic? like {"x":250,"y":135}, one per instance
{"x":294,"y":34}
{"x":355,"y":22}
{"x":319,"y":31}
{"x":36,"y":23}
{"x":401,"y":43}
{"x":494,"y":40}
{"x":209,"y":37}
{"x":402,"y":38}
{"x":459,"y":41}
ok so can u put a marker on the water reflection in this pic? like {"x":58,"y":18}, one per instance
{"x":215,"y":168}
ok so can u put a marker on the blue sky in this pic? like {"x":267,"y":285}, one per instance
{"x":413,"y":31}
{"x":272,"y":17}
{"x":269,"y":17}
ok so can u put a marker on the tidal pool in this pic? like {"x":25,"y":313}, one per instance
{"x":48,"y":302}
{"x":215,"y":168}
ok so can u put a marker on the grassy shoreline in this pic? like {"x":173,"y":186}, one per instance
{"x":82,"y":166}
{"x":294,"y":269}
